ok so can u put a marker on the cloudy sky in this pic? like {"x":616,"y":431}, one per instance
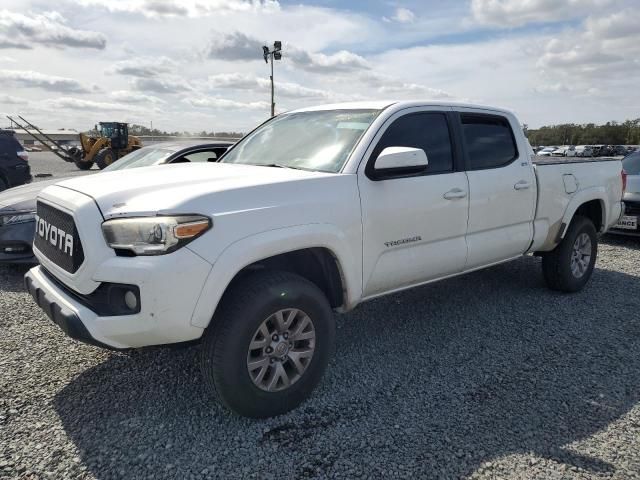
{"x":196,"y":64}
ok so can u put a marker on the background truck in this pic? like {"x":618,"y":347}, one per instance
{"x":315,"y":211}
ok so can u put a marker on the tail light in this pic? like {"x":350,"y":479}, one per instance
{"x":623,"y":174}
{"x":23,"y":155}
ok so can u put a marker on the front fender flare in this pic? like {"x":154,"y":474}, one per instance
{"x":260,"y":246}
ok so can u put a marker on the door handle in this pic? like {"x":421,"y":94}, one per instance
{"x":454,"y":194}
{"x":522,"y":185}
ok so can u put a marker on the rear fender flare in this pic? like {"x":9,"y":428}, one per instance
{"x":580,"y":198}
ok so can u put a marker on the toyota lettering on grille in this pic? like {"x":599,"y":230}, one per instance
{"x":57,"y":237}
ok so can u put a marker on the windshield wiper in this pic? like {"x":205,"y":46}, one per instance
{"x":282,"y":165}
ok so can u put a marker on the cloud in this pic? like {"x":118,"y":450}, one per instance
{"x":127,"y":96}
{"x":401,"y":15}
{"x":603,"y":44}
{"x":160,"y":85}
{"x":8,"y":43}
{"x":11,"y":100}
{"x":181,"y":8}
{"x":237,"y":46}
{"x":144,"y":67}
{"x":386,"y":85}
{"x":515,"y":13}
{"x":31,"y":79}
{"x":225,"y":104}
{"x":239,"y":81}
{"x":85,"y":105}
{"x":234,"y":46}
{"x":48,"y":29}
{"x":342,"y":61}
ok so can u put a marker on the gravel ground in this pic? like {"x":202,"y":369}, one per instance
{"x":484,"y":376}
{"x":45,"y":165}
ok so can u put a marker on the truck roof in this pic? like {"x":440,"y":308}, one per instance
{"x":398,"y":105}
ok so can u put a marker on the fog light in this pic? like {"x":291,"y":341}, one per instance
{"x":130,"y":300}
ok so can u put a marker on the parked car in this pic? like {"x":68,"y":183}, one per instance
{"x":547,"y":151}
{"x":18,"y":205}
{"x":559,"y":152}
{"x":629,"y":223}
{"x":571,"y":151}
{"x":14,"y":161}
{"x":250,"y":257}
{"x":619,"y":150}
{"x":584,"y":151}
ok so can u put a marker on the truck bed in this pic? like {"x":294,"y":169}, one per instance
{"x":564,"y":160}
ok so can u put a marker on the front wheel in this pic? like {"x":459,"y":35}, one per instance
{"x":569,"y":266}
{"x":104,"y":158}
{"x":269,"y":344}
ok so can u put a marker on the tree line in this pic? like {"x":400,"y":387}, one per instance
{"x":141,"y":130}
{"x":611,"y":133}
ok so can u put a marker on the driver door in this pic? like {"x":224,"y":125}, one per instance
{"x":414,"y":226}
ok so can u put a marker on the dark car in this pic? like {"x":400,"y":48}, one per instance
{"x":14,"y":161}
{"x":18,"y":205}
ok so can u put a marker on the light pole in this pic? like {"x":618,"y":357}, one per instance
{"x":275,"y":54}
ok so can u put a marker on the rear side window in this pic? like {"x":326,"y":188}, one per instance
{"x":428,"y":131}
{"x":489,"y":141}
{"x":631,"y":164}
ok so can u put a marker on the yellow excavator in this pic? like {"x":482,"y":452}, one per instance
{"x":104,"y":145}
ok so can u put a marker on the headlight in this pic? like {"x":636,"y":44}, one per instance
{"x":154,"y":235}
{"x":17,"y":217}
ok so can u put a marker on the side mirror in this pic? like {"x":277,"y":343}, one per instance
{"x":400,"y":160}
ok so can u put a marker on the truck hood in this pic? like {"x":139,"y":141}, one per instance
{"x":24,"y":196}
{"x":173,"y":188}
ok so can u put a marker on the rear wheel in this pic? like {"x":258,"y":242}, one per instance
{"x":105,"y":157}
{"x":269,"y":344}
{"x":569,"y":266}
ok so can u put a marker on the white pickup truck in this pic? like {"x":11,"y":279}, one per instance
{"x":315,"y":211}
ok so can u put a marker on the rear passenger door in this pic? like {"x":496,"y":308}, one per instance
{"x":502,"y":188}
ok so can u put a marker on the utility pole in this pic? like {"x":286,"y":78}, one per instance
{"x":275,"y":54}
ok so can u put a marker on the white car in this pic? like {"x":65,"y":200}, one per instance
{"x":559,"y":152}
{"x":546,"y":151}
{"x":315,"y":211}
{"x":570,"y":151}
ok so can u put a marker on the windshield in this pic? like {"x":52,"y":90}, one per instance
{"x":143,"y":157}
{"x":631,"y":164}
{"x":317,"y":140}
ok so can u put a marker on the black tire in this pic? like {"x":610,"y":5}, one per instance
{"x":82,"y":165}
{"x":3,"y":185}
{"x":104,"y":158}
{"x":226,"y":342}
{"x":556,"y":265}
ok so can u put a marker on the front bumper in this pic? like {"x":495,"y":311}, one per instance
{"x":18,"y":174}
{"x":16,"y":242}
{"x":60,"y":313}
{"x":169,"y":288}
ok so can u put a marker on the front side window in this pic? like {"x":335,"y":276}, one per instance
{"x":315,"y":140}
{"x":489,"y":141}
{"x":428,"y":131}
